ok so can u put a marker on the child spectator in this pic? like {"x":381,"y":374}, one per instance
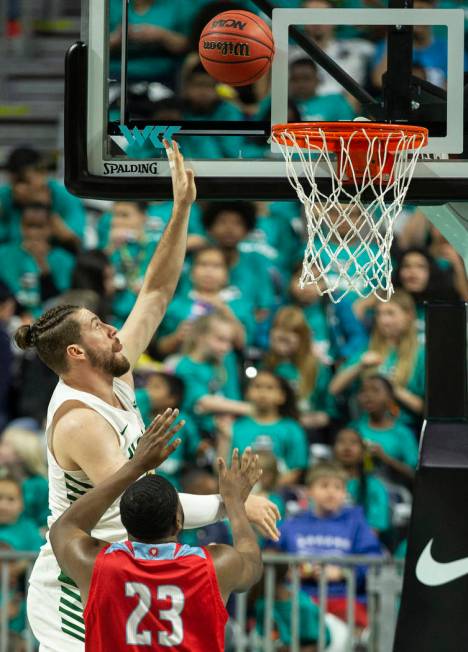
{"x":202,"y":102}
{"x":393,"y":352}
{"x":130,"y":252}
{"x":330,"y":529}
{"x":209,"y":371}
{"x":163,"y":391}
{"x":16,"y":529}
{"x":449,"y":260}
{"x":227,"y":225}
{"x":273,"y":426}
{"x":93,"y":273}
{"x":291,"y":356}
{"x":30,"y":184}
{"x":33,"y":269}
{"x":303,"y":85}
{"x":391,"y":443}
{"x":22,"y":452}
{"x":364,"y":488}
{"x":209,"y":275}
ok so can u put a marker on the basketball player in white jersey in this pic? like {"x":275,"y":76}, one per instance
{"x":93,"y":424}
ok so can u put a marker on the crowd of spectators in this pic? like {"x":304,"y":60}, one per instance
{"x":330,"y":395}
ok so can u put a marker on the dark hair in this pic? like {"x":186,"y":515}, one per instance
{"x":175,"y":384}
{"x":37,"y":206}
{"x":363,"y":495}
{"x":148,"y":509}
{"x":304,"y":61}
{"x":439,"y":285}
{"x":245,"y":209}
{"x":197,"y":69}
{"x":21,"y":158}
{"x":141,"y":205}
{"x":289,"y":408}
{"x":50,"y":335}
{"x":385,"y":382}
{"x":88,"y":273}
{"x":5,"y":293}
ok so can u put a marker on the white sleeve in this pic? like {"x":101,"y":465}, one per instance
{"x":201,"y":510}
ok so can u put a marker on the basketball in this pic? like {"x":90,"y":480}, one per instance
{"x":236,"y":48}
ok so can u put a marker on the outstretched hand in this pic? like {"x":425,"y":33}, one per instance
{"x":183,"y":183}
{"x":154,"y":447}
{"x":239,"y":480}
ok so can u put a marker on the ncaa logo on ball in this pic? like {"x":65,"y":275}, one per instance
{"x":236,"y":24}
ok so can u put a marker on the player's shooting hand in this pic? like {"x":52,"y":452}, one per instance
{"x":155,"y":446}
{"x":183,"y":183}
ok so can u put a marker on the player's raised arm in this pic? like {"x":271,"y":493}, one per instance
{"x":70,"y":536}
{"x":239,"y":567}
{"x":164,"y":270}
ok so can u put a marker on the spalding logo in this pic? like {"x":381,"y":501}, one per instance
{"x":220,"y":22}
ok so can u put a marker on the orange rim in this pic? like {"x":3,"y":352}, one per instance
{"x":312,"y":133}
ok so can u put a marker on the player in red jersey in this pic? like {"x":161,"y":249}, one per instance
{"x":150,"y":592}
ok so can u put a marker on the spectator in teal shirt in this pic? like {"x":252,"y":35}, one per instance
{"x":364,"y":488}
{"x":393,"y":352}
{"x":209,"y":371}
{"x":33,"y":269}
{"x":163,"y":391}
{"x":130,"y":252}
{"x":157,"y":36}
{"x":30,"y":184}
{"x":227,"y":225}
{"x":273,"y":426}
{"x":16,"y":529}
{"x":209,"y":277}
{"x":303,"y":84}
{"x":291,"y":355}
{"x":391,"y":443}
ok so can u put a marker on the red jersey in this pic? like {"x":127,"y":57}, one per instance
{"x":154,"y":597}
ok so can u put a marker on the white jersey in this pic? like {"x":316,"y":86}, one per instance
{"x":54,"y":604}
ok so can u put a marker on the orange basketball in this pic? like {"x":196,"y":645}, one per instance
{"x":236,"y":47}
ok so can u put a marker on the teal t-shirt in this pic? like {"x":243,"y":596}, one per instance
{"x":326,"y":107}
{"x":20,"y":271}
{"x":285,"y":438}
{"x":250,"y":275}
{"x":69,"y":207}
{"x":316,"y":317}
{"x":376,"y":504}
{"x":188,"y":307}
{"x":398,"y":441}
{"x":282,"y":610}
{"x":416,"y":380}
{"x":207,"y":378}
{"x":130,"y":263}
{"x":22,"y":535}
{"x":36,"y":499}
{"x":319,"y":400}
{"x":186,"y":453}
{"x":149,"y":62}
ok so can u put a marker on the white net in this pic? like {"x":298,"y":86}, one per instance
{"x":350,"y":230}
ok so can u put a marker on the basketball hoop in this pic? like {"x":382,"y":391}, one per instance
{"x":350,"y":230}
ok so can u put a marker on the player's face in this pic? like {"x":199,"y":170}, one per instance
{"x":328,"y":494}
{"x":228,"y":229}
{"x":209,"y":273}
{"x":265,"y":392}
{"x":414,"y":272}
{"x":392,"y":321}
{"x":102,"y":346}
{"x":349,"y":448}
{"x":302,"y":82}
{"x":218,"y":340}
{"x":11,"y":502}
{"x":373,"y":396}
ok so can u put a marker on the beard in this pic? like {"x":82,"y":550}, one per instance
{"x":113,"y":364}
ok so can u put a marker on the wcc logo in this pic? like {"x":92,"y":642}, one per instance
{"x":138,"y":137}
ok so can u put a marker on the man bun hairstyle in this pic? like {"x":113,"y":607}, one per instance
{"x":50,"y":335}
